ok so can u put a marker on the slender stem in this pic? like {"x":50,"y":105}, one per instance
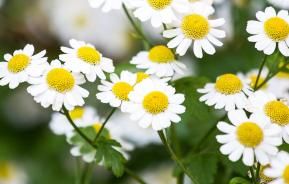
{"x":85,"y":173}
{"x":66,"y":113}
{"x":174,"y":156}
{"x":134,"y":176}
{"x":260,"y":72}
{"x":103,"y":125}
{"x":77,"y":170}
{"x":258,"y":172}
{"x":252,"y":175}
{"x":135,"y":26}
{"x":180,"y":179}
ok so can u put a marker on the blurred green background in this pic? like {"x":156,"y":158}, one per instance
{"x":39,"y":156}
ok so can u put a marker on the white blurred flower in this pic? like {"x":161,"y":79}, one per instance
{"x":279,"y":85}
{"x":283,"y":4}
{"x":107,"y":5}
{"x":196,"y":28}
{"x":58,"y":87}
{"x":84,"y":58}
{"x":251,"y":78}
{"x":270,"y":30}
{"x":159,"y":61}
{"x":22,"y":65}
{"x":108,"y":32}
{"x":11,"y":174}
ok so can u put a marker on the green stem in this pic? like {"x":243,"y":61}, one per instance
{"x":86,"y":173}
{"x":180,"y":179}
{"x":252,"y":175}
{"x":66,"y":113}
{"x":103,"y":125}
{"x":258,"y":172}
{"x":174,"y":156}
{"x":260,"y":72}
{"x":135,"y":26}
{"x":134,"y":176}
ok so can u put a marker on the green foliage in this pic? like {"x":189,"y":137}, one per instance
{"x":273,"y":61}
{"x":105,"y":151}
{"x":239,"y":180}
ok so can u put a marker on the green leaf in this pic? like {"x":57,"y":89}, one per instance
{"x":203,"y":167}
{"x":111,"y":158}
{"x":198,"y":118}
{"x":239,"y":180}
{"x":273,"y":61}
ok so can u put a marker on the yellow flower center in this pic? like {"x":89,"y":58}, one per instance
{"x":161,"y":54}
{"x":18,"y":63}
{"x":260,"y":81}
{"x":89,"y":55}
{"x":80,"y":21}
{"x":155,"y":102}
{"x":263,"y":177}
{"x":121,"y":90}
{"x":159,"y":4}
{"x":276,"y":28}
{"x":286,"y":174}
{"x":283,"y":75}
{"x":60,"y":80}
{"x":195,"y":26}
{"x":76,"y":113}
{"x":6,"y":171}
{"x":140,"y":76}
{"x":249,"y":134}
{"x":228,"y":84}
{"x":97,"y":127}
{"x":278,"y":112}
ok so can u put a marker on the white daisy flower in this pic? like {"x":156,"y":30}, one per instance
{"x":57,"y":87}
{"x":115,"y":92}
{"x":251,"y":78}
{"x":279,"y":169}
{"x":12,"y":174}
{"x":154,"y":103}
{"x":81,"y":116}
{"x":195,"y":28}
{"x":269,"y":30}
{"x":228,"y":92}
{"x":279,"y":85}
{"x":283,"y":4}
{"x":84,"y":58}
{"x":159,"y":11}
{"x":255,"y":138}
{"x":276,"y":111}
{"x":160,"y":61}
{"x":22,"y":65}
{"x":107,"y":5}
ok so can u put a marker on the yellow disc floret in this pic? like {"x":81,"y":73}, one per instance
{"x":228,"y":84}
{"x":159,"y":4}
{"x":89,"y":55}
{"x":121,"y":90}
{"x":286,"y":174}
{"x":140,"y":76}
{"x":60,"y":80}
{"x":155,"y":102}
{"x":76,"y":113}
{"x":161,"y":54}
{"x":278,"y":112}
{"x":97,"y":127}
{"x":18,"y":63}
{"x":195,"y":26}
{"x":249,"y":134}
{"x":263,"y":177}
{"x":276,"y":28}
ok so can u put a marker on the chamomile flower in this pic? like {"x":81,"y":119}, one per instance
{"x":283,"y":4}
{"x":12,"y":174}
{"x":271,"y":29}
{"x":279,"y":85}
{"x":84,"y":58}
{"x":255,"y":138}
{"x":196,"y":28}
{"x":107,"y":5}
{"x":279,"y":169}
{"x":155,"y":104}
{"x":160,"y":61}
{"x":252,"y":76}
{"x":58,"y":87}
{"x":229,"y":92}
{"x":115,"y":92}
{"x":22,"y":65}
{"x":276,"y":111}
{"x":81,"y":116}
{"x":159,"y":11}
